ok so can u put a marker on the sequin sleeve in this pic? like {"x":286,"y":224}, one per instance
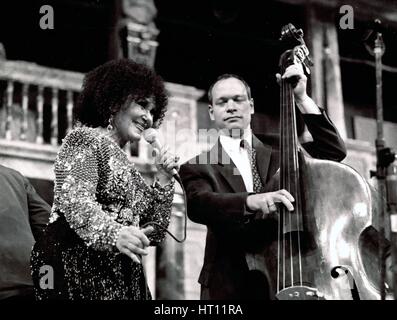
{"x":159,"y":211}
{"x":76,"y":170}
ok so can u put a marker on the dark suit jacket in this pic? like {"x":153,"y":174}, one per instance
{"x":23,"y":216}
{"x":217,"y":197}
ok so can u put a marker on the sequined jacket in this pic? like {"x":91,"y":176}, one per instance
{"x":98,"y":191}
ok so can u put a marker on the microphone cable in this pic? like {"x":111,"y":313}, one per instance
{"x":178,"y":179}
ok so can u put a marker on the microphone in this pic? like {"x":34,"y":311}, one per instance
{"x":372,"y":29}
{"x":151,"y":137}
{"x":373,"y":40}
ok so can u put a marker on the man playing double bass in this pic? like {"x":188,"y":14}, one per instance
{"x":229,"y":188}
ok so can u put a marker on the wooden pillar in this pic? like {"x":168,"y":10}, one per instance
{"x":333,"y":81}
{"x":326,"y":81}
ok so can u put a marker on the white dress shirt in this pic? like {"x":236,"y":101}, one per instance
{"x":240,"y":157}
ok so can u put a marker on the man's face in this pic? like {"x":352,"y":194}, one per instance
{"x":230,"y":106}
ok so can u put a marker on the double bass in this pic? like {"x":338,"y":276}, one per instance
{"x":320,"y":247}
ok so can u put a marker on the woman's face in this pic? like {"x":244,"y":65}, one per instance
{"x":132,"y":119}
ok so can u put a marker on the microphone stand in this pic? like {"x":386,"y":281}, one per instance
{"x":387,"y":179}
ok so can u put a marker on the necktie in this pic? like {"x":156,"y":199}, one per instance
{"x":252,"y":157}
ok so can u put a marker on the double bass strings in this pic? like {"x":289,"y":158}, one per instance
{"x":289,"y":181}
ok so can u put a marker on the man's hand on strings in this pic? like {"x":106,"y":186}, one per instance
{"x":266,"y":203}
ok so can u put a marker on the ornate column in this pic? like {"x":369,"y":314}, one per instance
{"x":139,"y":31}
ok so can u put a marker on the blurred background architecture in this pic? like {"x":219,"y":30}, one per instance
{"x":189,"y":43}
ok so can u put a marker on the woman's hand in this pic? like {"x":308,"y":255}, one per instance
{"x":165,"y":163}
{"x":133,"y":241}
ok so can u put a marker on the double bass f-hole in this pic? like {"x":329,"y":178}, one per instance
{"x":344,"y":271}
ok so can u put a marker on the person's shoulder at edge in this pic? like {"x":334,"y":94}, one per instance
{"x":9,"y":171}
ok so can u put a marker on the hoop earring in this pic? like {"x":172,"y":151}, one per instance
{"x":110,"y":126}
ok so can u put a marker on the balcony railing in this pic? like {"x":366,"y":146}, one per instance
{"x":35,"y":115}
{"x":31,"y":88}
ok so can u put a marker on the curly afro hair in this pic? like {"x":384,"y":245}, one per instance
{"x":108,"y":87}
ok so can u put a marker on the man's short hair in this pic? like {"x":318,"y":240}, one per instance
{"x":227,"y":76}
